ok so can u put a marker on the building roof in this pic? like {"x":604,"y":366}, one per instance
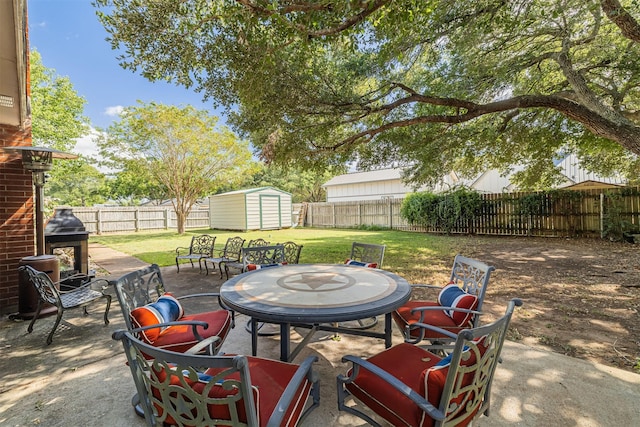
{"x":369,"y":176}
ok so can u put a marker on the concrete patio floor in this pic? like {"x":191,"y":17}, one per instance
{"x":81,"y":379}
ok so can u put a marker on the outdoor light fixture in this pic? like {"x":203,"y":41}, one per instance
{"x":39,"y":160}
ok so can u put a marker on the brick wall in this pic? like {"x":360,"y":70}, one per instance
{"x":17,"y":228}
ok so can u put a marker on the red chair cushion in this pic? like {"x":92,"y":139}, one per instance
{"x":252,"y":267}
{"x":269,"y":379}
{"x":439,"y":318}
{"x":452,"y":296}
{"x":407,"y":363}
{"x":361,"y":264}
{"x":180,"y":338}
{"x":164,"y":309}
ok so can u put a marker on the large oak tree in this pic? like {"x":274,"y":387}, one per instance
{"x":436,"y":84}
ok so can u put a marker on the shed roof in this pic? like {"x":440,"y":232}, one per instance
{"x":250,"y":190}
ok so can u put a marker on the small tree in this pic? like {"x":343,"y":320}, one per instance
{"x":57,"y":121}
{"x":182,"y":148}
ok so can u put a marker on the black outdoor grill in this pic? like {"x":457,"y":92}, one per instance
{"x":65,"y":230}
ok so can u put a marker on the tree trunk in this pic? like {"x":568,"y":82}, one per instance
{"x":181,"y":219}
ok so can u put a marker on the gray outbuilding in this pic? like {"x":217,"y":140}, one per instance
{"x":264,"y":208}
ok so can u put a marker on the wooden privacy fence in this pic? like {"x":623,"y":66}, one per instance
{"x":560,"y":214}
{"x":123,"y":219}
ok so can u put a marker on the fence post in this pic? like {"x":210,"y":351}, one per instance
{"x":98,"y":221}
{"x":333,"y":215}
{"x":136,"y":219}
{"x":602,"y":215}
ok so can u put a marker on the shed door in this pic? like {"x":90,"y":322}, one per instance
{"x":270,"y":212}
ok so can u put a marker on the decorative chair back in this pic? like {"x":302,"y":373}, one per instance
{"x":231,"y":251}
{"x":257,"y":242}
{"x":138,"y":288}
{"x":262,"y":256}
{"x":44,"y":285}
{"x":367,"y":252}
{"x":292,"y":252}
{"x":475,"y":356}
{"x":203,"y":390}
{"x":164,"y":378}
{"x":202,"y":245}
{"x":472,"y":276}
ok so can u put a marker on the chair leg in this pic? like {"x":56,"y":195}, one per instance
{"x":35,"y":317}
{"x":177,"y":265}
{"x":106,"y":311}
{"x":55,"y":325}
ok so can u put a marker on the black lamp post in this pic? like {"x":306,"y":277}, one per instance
{"x":39,"y":160}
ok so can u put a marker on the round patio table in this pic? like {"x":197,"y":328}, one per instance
{"x":317,"y":297}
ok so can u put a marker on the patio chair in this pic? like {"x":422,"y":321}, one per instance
{"x":410,"y":386}
{"x":230,"y":253}
{"x":145,"y":304}
{"x":203,"y":390}
{"x":292,"y":252}
{"x":238,"y":265}
{"x":364,"y":255}
{"x":78,"y":297}
{"x":256,"y":257}
{"x":201,"y":246}
{"x":457,"y":307}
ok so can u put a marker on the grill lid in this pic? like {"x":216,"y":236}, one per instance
{"x":64,"y":221}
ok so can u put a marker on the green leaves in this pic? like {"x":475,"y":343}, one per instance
{"x":178,"y":153}
{"x":436,"y":84}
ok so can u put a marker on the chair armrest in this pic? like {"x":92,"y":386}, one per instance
{"x":421,"y":310}
{"x":206,"y":294}
{"x":181,"y":248}
{"x":424,"y":285}
{"x":421,"y":336}
{"x":206,"y":343}
{"x":304,"y":370}
{"x":401,"y":387}
{"x":194,"y":324}
{"x":90,"y":284}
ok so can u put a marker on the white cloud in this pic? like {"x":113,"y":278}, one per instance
{"x":87,"y":145}
{"x":116,"y":110}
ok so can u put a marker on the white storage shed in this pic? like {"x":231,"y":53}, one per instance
{"x":265,"y":208}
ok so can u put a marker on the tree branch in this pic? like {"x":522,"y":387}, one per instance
{"x":629,"y":27}
{"x":627,"y":134}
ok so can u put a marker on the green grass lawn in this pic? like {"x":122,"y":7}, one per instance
{"x":415,"y":256}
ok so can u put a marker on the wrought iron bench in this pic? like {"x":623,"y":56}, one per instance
{"x":78,"y":297}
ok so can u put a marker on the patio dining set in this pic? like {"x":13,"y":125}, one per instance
{"x":441,"y":374}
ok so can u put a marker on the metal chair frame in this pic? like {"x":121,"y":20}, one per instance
{"x":472,"y":276}
{"x":368,"y":253}
{"x":144,"y":286}
{"x":292,"y":252}
{"x":186,"y":406}
{"x":467,"y":388}
{"x":201,"y":246}
{"x":78,"y":297}
{"x":230,"y":253}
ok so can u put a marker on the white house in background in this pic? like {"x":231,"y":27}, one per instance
{"x":383,"y":183}
{"x":264,"y":208}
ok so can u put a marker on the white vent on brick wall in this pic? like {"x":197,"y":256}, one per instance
{"x":6,"y":101}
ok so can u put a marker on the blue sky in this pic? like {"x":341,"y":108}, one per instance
{"x":72,"y":41}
